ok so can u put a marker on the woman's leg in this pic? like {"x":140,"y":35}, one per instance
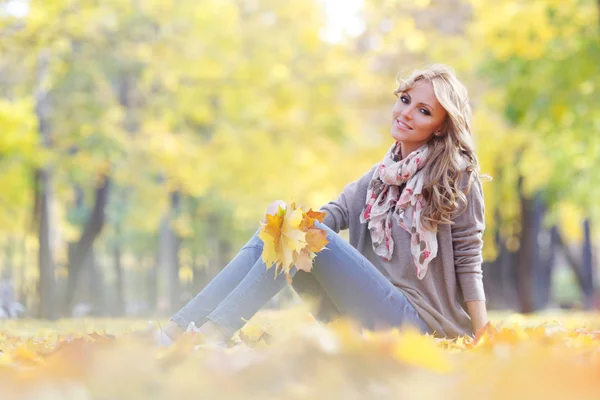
{"x":359,"y":290}
{"x":353,"y":284}
{"x":219,"y":288}
{"x":309,"y":289}
{"x":230,"y":277}
{"x":258,"y":286}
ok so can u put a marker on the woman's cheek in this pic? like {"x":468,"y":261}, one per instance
{"x":425,"y":124}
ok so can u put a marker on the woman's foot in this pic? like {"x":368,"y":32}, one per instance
{"x":164,"y":336}
{"x":162,"y":339}
{"x":213,"y":334}
{"x":173,"y":331}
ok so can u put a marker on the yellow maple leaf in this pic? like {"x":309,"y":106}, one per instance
{"x":273,"y":225}
{"x":290,"y":238}
{"x":316,"y":239}
{"x":270,"y":234}
{"x":303,"y":260}
{"x":309,"y":218}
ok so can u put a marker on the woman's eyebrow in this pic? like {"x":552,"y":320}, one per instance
{"x":420,"y":103}
{"x":426,"y":105}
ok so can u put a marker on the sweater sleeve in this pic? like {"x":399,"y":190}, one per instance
{"x":354,"y":194}
{"x":467,"y":241}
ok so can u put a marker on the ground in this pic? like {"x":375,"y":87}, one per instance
{"x":287,"y":355}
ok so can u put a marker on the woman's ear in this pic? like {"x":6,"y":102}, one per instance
{"x":443,"y":128}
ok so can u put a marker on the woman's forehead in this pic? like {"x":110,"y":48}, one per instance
{"x":422,"y":91}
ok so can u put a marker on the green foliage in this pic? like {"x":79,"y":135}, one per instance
{"x":234,"y":104}
{"x":545,"y":64}
{"x":19,"y":152}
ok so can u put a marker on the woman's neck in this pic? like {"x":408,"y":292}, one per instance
{"x":407,"y":148}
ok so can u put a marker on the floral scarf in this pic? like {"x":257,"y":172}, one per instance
{"x":384,"y":199}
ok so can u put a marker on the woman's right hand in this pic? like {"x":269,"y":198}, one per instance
{"x":274,"y":207}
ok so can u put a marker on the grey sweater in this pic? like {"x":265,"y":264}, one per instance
{"x":453,"y":277}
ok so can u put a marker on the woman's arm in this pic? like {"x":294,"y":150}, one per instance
{"x":467,"y":240}
{"x":478,"y":314}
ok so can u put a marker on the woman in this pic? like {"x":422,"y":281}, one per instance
{"x":416,"y":221}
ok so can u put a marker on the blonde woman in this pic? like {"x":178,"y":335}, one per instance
{"x":415,"y":221}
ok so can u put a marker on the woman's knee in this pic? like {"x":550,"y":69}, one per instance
{"x":254,"y":243}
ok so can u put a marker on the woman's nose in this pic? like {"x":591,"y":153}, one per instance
{"x":406,"y":112}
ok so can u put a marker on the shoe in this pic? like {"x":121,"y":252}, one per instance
{"x":210,"y":341}
{"x":159,"y":337}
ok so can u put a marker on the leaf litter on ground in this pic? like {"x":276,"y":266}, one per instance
{"x":287,"y":354}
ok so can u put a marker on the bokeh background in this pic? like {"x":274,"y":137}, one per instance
{"x":141,"y":140}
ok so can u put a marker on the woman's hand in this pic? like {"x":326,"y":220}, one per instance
{"x":478,"y":313}
{"x":274,"y":206}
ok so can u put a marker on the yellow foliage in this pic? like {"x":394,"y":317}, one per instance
{"x":186,"y":273}
{"x":286,"y":354}
{"x":419,"y":350}
{"x":529,"y":31}
{"x":571,"y":222}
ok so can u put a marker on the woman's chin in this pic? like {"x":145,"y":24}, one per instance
{"x":397,"y":136}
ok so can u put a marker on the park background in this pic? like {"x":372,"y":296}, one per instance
{"x":141,"y":141}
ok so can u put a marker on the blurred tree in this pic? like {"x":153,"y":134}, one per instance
{"x":44,"y":193}
{"x":235,"y":102}
{"x":544,"y":63}
{"x":199,"y":114}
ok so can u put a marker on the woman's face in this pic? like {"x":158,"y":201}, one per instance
{"x":417,"y":115}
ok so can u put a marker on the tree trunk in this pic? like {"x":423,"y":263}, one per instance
{"x":500,"y":276}
{"x":492,"y":272}
{"x":215,"y":262}
{"x":510,"y":268}
{"x":584,"y":271}
{"x":43,"y":194}
{"x":83,"y":247}
{"x":547,"y":267}
{"x":540,"y":281}
{"x":96,"y":285}
{"x":119,"y":309}
{"x":572,"y":261}
{"x":587,"y":267}
{"x":6,"y":270}
{"x":152,"y":283}
{"x":125,"y":85}
{"x":528,"y":260}
{"x":45,"y":253}
{"x":21,"y":268}
{"x":168,"y":259}
{"x":175,"y":244}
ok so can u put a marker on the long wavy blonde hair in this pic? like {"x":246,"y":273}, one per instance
{"x":452,"y":153}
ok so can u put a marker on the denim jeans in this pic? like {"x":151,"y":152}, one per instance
{"x":343,"y":281}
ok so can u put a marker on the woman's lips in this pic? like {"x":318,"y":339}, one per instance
{"x":402,"y":125}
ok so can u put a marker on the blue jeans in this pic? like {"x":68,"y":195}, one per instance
{"x":343,"y":281}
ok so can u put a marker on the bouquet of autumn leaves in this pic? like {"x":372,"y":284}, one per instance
{"x":291,"y":238}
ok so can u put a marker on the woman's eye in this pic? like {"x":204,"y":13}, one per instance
{"x":404,"y":99}
{"x":425,"y":111}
